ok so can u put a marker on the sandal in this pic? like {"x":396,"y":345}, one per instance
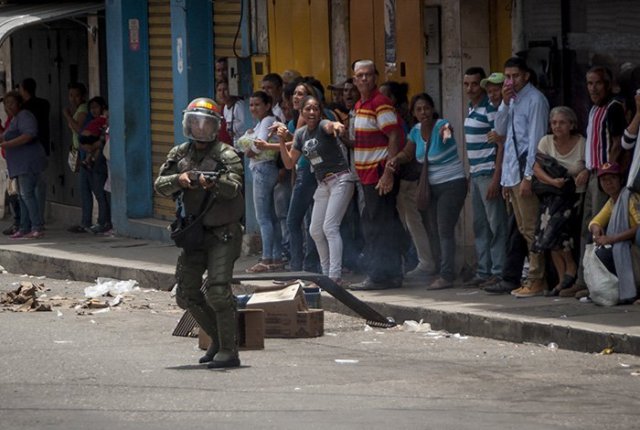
{"x":568,"y":281}
{"x":260,"y":267}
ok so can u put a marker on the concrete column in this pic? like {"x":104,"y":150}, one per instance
{"x":93,"y":48}
{"x":128,"y":69}
{"x":340,"y":66}
{"x":193,"y":59}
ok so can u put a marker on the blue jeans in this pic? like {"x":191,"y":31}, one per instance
{"x":30,"y":210}
{"x":282,"y":198}
{"x":489,"y":221}
{"x":265,"y":178}
{"x":86,"y":197}
{"x":447,"y":200}
{"x":98,"y":177}
{"x":301,"y":201}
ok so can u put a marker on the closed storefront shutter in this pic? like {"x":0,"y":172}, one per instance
{"x":226,"y":18}
{"x":160,"y":73}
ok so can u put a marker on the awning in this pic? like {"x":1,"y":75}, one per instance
{"x":16,"y":16}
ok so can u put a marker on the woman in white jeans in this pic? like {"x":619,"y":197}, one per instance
{"x":317,"y":141}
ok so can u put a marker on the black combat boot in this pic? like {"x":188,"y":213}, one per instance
{"x":227,"y":356}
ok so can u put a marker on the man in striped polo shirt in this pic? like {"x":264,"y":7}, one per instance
{"x":378,"y":139}
{"x":485,"y":167}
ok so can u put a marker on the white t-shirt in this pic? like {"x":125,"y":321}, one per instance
{"x":236,"y":119}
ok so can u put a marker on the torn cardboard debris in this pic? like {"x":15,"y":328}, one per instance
{"x":287,"y":313}
{"x":26,"y":296}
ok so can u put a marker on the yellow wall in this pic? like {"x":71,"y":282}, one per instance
{"x":366,"y":34}
{"x":299,"y":37}
{"x":500,"y":13}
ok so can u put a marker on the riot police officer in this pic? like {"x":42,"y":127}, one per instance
{"x":220,"y":200}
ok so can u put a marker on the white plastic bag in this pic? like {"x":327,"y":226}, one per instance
{"x":602,"y":284}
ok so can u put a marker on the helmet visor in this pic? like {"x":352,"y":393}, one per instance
{"x":200,"y":126}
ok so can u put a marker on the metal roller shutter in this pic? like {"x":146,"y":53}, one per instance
{"x":161,"y":82}
{"x":226,"y":18}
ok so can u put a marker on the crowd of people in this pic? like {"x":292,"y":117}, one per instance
{"x":375,"y":182}
{"x":26,"y":145}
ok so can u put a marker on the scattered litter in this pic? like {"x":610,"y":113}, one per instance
{"x":24,"y":276}
{"x":552,"y":346}
{"x":93,"y":321}
{"x":41,"y":277}
{"x":367,"y":327}
{"x":635,"y":373}
{"x":59,"y":313}
{"x":331,"y":334}
{"x":416,"y":326}
{"x":564,"y":317}
{"x":100,"y":311}
{"x":346,"y":361}
{"x":110,"y":286}
{"x":585,"y":300}
{"x":174,"y":290}
{"x":606,"y":351}
{"x":297,"y":389}
{"x":461,"y":337}
{"x":25,"y":298}
{"x":369,"y":342}
{"x":62,"y":341}
{"x":624,"y":365}
{"x":3,"y":270}
{"x":116,"y":301}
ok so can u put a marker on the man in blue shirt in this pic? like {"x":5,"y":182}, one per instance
{"x":527,"y":122}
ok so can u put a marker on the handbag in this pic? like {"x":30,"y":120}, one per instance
{"x":188,"y":232}
{"x":73,"y":160}
{"x":602,"y":284}
{"x":554,"y":169}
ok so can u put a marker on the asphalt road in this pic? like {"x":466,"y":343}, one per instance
{"x":122,"y":369}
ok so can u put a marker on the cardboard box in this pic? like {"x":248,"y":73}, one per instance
{"x":250,"y":330}
{"x":287,"y":314}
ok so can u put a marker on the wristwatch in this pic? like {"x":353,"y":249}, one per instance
{"x":528,"y":178}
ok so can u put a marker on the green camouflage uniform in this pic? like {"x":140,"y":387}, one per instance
{"x":213,"y":305}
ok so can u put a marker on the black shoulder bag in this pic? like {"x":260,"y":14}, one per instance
{"x":188,"y":232}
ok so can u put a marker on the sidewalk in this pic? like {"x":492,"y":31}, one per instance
{"x":468,"y":311}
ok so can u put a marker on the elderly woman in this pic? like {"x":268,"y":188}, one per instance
{"x":559,"y":224}
{"x":26,"y":161}
{"x":615,"y":229}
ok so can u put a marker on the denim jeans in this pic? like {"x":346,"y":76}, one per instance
{"x":265,"y":177}
{"x":489,"y":221}
{"x":301,"y":200}
{"x":98,"y":177}
{"x":447,"y":200}
{"x":86,"y":197}
{"x":30,"y":211}
{"x":282,"y":199}
{"x":330,"y":202}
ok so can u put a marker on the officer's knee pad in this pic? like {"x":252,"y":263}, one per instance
{"x":219,"y":297}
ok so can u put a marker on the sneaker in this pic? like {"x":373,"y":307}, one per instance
{"x":98,"y":229}
{"x":17,"y":235}
{"x":33,"y":235}
{"x":11,"y":230}
{"x":490,"y":281}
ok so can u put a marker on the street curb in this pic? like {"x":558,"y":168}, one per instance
{"x":500,"y":328}
{"x":62,"y":268}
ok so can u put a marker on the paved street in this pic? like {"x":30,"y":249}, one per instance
{"x":122,"y":369}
